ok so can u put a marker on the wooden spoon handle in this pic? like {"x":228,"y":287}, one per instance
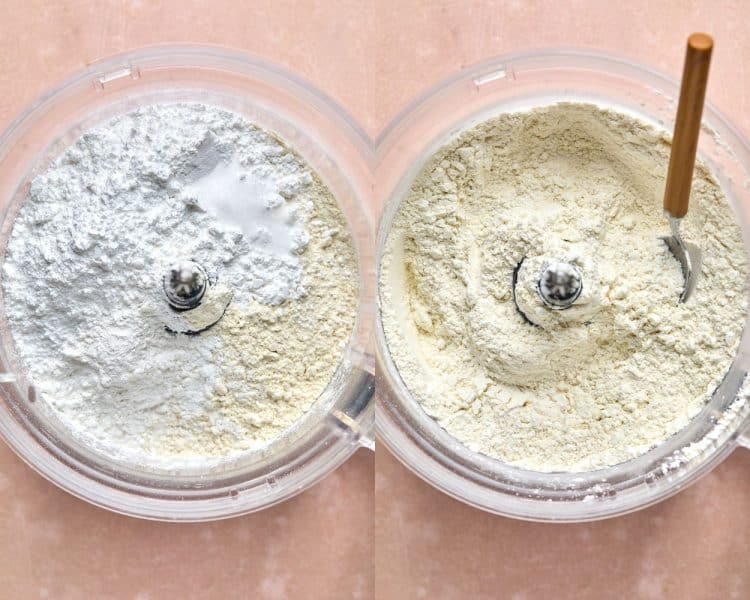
{"x":687,"y":124}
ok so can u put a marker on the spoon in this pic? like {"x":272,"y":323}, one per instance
{"x":682,"y":159}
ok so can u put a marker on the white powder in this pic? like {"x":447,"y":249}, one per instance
{"x":83,"y":285}
{"x":625,"y":366}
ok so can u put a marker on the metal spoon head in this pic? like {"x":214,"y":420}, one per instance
{"x":689,"y":257}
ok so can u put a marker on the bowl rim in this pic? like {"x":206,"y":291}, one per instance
{"x":104,"y":65}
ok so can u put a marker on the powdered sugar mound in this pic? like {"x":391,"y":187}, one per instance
{"x":84,"y":265}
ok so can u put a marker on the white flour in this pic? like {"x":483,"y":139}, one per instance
{"x":83,"y":285}
{"x":590,"y":386}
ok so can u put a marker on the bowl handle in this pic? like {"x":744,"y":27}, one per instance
{"x":743,"y":439}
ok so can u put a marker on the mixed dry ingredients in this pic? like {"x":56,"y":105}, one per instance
{"x":625,"y":366}
{"x":83,"y":285}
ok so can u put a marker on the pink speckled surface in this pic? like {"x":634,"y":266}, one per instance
{"x":318,"y":545}
{"x":372,"y":57}
{"x":693,"y":546}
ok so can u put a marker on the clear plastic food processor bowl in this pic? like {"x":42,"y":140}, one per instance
{"x":339,"y":422}
{"x":474,"y":94}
